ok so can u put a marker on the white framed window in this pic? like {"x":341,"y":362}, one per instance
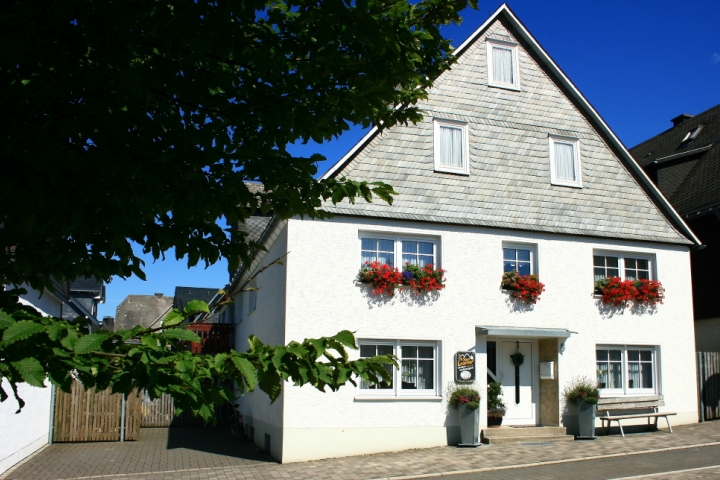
{"x":452,"y":152}
{"x":418,"y":373}
{"x":628,"y":266}
{"x":627,"y":370}
{"x":396,"y":251}
{"x":503,"y":70}
{"x":565,"y":161}
{"x":520,"y":258}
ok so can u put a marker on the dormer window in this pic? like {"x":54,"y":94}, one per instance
{"x":503,"y":64}
{"x":692,"y":134}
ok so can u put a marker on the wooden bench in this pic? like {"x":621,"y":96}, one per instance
{"x":651,"y":402}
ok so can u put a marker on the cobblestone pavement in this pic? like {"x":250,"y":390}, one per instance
{"x":213,"y":454}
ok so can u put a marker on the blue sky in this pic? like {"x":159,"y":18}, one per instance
{"x":639,"y":62}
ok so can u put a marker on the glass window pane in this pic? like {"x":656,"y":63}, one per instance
{"x":409,"y":374}
{"x":565,"y":161}
{"x":615,"y":355}
{"x":601,"y":355}
{"x":612,"y":261}
{"x":646,"y":355}
{"x":643,"y":275}
{"x":615,"y":375}
{"x":367,"y":351}
{"x":409,"y":351}
{"x":613,"y":272}
{"x":599,"y":273}
{"x":503,"y":65}
{"x":425,"y":247}
{"x":367,"y":257}
{"x":425,"y":261}
{"x":633,"y":355}
{"x":630,"y":263}
{"x":425,"y":374}
{"x":646,"y":375}
{"x":409,"y":247}
{"x":642,"y":264}
{"x":451,"y":141}
{"x":602,"y":371}
{"x":411,"y":259}
{"x":634,"y":375}
{"x":524,"y":268}
{"x":384,"y":349}
{"x":509,"y":254}
{"x":598,"y":261}
{"x":368,"y":244}
{"x":509,"y":267}
{"x":386,"y":245}
{"x":388,"y":258}
{"x":425,"y":352}
{"x":523,"y":255}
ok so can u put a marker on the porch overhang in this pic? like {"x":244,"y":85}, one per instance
{"x":528,"y":332}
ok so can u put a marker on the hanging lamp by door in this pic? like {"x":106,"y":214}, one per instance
{"x":517,"y":359}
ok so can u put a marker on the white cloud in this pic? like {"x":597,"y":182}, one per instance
{"x":715,"y":57}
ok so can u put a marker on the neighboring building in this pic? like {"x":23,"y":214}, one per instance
{"x":511,"y":168}
{"x":23,"y":433}
{"x":684,"y":162}
{"x":145,"y":310}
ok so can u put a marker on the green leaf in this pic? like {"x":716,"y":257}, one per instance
{"x":173,"y":318}
{"x":69,"y":340}
{"x":347,"y":338}
{"x":5,"y":320}
{"x":181,"y":334}
{"x":195,"y":306}
{"x":21,"y":330}
{"x":89,"y":343}
{"x":247,"y":370}
{"x":31,"y":371}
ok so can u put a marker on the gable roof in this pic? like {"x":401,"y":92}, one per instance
{"x":687,"y":172}
{"x":645,"y":214}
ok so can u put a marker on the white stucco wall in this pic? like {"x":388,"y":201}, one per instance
{"x":323,"y":298}
{"x":24,"y":433}
{"x":267,"y":323}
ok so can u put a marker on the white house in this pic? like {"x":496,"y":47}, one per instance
{"x":511,"y":168}
{"x":25,"y":432}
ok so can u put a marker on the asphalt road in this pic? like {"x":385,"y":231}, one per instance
{"x":702,"y":462}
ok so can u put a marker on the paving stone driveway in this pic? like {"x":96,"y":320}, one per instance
{"x":213,"y":454}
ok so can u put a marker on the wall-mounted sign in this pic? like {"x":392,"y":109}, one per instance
{"x":465,"y":367}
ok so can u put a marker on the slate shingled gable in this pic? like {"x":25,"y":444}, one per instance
{"x":509,"y":181}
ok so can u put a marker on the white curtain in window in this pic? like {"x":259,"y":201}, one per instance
{"x":565,"y":161}
{"x":634,"y":374}
{"x":451,"y":146}
{"x":503,"y":65}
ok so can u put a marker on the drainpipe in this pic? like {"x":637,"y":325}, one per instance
{"x":51,"y":429}
{"x":122,"y":419}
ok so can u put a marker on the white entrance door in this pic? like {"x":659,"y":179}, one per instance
{"x":518,"y":392}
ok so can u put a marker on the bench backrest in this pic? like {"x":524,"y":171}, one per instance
{"x":629,"y":403}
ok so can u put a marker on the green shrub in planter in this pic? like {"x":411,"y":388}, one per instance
{"x":465,"y":395}
{"x":582,"y":388}
{"x":496,"y":407}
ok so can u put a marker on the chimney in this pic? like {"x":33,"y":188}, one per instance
{"x":108,"y":323}
{"x":680,"y":119}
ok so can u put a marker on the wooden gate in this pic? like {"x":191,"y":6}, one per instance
{"x":89,"y":416}
{"x":709,"y":385}
{"x":161,"y":413}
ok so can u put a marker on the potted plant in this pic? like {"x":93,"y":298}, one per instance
{"x":584,"y":393}
{"x":466,"y":401}
{"x":524,"y":287}
{"x":496,"y":407}
{"x":387,"y":279}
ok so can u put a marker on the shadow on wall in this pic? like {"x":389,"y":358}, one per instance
{"x":711,"y":397}
{"x":216,"y":440}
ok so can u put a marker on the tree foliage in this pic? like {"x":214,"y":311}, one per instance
{"x":33,"y":348}
{"x":140,"y":121}
{"x":131,"y":121}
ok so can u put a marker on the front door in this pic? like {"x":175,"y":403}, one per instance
{"x":518,"y":382}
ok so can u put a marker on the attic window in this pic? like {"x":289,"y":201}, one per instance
{"x":503,"y":64}
{"x":692,"y":134}
{"x":451,"y":146}
{"x":565,"y":162}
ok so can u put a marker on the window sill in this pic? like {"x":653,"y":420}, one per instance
{"x":563,"y":184}
{"x":453,"y":172}
{"x":504,"y":87}
{"x":403,"y":398}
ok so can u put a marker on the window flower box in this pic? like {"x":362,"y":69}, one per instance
{"x":523,"y":287}
{"x":387,"y":279}
{"x":619,"y":292}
